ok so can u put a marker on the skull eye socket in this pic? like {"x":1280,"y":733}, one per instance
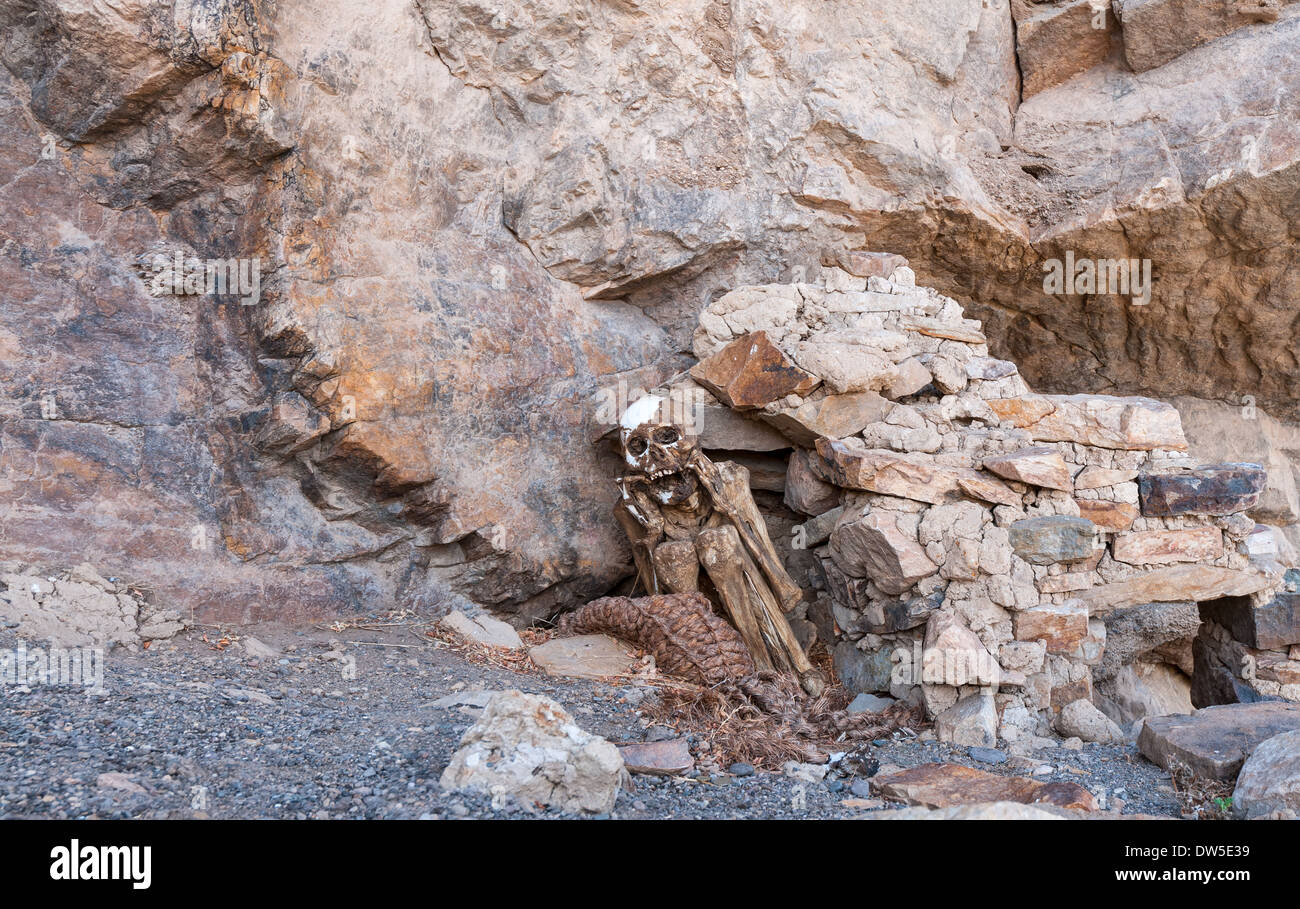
{"x":666,"y":435}
{"x":637,"y":446}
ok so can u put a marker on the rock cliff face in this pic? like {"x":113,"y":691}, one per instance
{"x":470,"y":219}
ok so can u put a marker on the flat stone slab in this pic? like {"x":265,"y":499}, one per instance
{"x":1216,"y":741}
{"x":1177,"y":583}
{"x":1057,"y":538}
{"x":908,"y":475}
{"x":750,"y":372}
{"x":667,"y":758}
{"x":467,"y":701}
{"x":1037,"y":466}
{"x":1060,"y":626}
{"x":482,"y":629}
{"x":833,"y":417}
{"x":865,"y":264}
{"x":1218,"y":489}
{"x":1157,"y":547}
{"x":584,"y":656}
{"x":1109,"y":516}
{"x":948,"y":785}
{"x":1104,"y":421}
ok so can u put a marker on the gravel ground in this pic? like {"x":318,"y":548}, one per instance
{"x":344,"y":725}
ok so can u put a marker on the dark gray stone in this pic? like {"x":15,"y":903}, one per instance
{"x":899,"y":615}
{"x":987,"y":755}
{"x":1274,"y":625}
{"x":1217,"y":489}
{"x":878,"y":616}
{"x":1216,"y":741}
{"x":1213,"y":683}
{"x":1058,"y":538}
{"x":859,"y":671}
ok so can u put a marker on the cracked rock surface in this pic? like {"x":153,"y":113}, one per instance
{"x":470,"y":220}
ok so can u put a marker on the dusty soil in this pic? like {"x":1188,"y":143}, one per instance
{"x":197,"y":731}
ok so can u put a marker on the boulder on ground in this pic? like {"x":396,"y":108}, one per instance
{"x":971,"y":721}
{"x":1083,"y":720}
{"x":949,"y":785}
{"x":481,"y":629}
{"x":1215,"y":742}
{"x":528,"y":747}
{"x":1270,"y":780}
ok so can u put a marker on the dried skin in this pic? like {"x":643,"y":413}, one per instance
{"x":761,"y":717}
{"x":767,"y":719}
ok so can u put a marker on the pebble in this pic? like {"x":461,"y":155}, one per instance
{"x":987,"y":755}
{"x":377,"y":750}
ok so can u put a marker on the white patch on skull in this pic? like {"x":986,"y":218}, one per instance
{"x":642,"y":410}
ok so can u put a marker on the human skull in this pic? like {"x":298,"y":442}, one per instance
{"x":657,"y":452}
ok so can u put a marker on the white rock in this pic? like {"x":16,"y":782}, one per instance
{"x":808,"y":773}
{"x":482,"y":629}
{"x":1081,"y":718}
{"x":259,"y":649}
{"x":528,"y":747}
{"x":971,"y":721}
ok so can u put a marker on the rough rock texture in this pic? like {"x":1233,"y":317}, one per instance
{"x":983,"y":811}
{"x":308,"y":452}
{"x":471,"y":222}
{"x":1216,"y":741}
{"x":1222,"y":432}
{"x":946,"y":785}
{"x":80,"y":608}
{"x":481,"y":629}
{"x":1139,"y":630}
{"x":1217,"y":489}
{"x":963,"y":571}
{"x":1143,"y":689}
{"x":972,"y":721}
{"x":667,"y":758}
{"x":1157,"y":31}
{"x":1270,"y":779}
{"x":527,"y":747}
{"x":1082,"y":719}
{"x":1268,"y":623}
